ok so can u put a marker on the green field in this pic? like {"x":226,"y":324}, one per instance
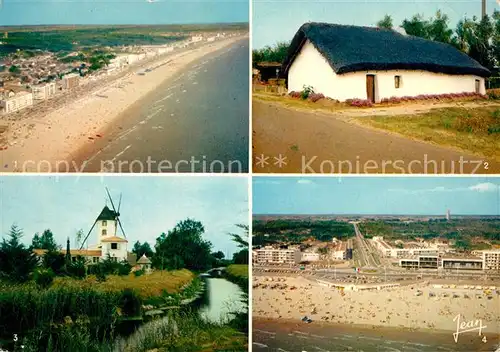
{"x":77,"y":38}
{"x":296,"y":231}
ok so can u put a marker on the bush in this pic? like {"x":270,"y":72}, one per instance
{"x":130,"y":303}
{"x":314,"y":97}
{"x":43,"y":277}
{"x":359,"y":102}
{"x":294,"y":94}
{"x":138,"y":273}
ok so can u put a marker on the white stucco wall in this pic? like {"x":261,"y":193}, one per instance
{"x":310,"y":68}
{"x":109,"y":226}
{"x":120,"y":253}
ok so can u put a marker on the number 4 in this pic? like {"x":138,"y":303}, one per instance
{"x":484,"y":339}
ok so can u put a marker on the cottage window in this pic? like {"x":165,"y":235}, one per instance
{"x":104,"y":232}
{"x":397,"y":81}
{"x":114,"y":245}
{"x":104,"y":223}
{"x":95,"y":259}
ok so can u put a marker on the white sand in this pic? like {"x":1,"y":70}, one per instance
{"x":37,"y":145}
{"x":395,"y":307}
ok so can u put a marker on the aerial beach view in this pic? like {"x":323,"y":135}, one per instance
{"x":111,"y":92}
{"x":349,"y":264}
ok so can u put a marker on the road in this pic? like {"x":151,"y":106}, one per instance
{"x":273,"y":335}
{"x":196,"y":122}
{"x":286,"y":140}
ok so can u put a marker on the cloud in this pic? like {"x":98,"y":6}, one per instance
{"x":305,"y":182}
{"x":480,"y":187}
{"x":484,"y":187}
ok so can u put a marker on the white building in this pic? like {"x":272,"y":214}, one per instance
{"x":71,"y":81}
{"x":107,"y":241}
{"x":45,"y":91}
{"x":269,"y":255}
{"x":349,"y":62}
{"x":196,"y":38}
{"x":310,"y":257}
{"x":491,"y":259}
{"x":16,"y":102}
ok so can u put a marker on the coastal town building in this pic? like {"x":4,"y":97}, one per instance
{"x":442,"y":262}
{"x":16,"y":101}
{"x":310,"y":256}
{"x":196,"y":38}
{"x":491,"y":259}
{"x":108,"y":244}
{"x":270,"y":255}
{"x":43,"y":92}
{"x":351,"y":62}
{"x":71,"y":81}
{"x":413,"y":249}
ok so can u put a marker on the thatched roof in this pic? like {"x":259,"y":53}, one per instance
{"x":353,"y":48}
{"x":144,"y":260}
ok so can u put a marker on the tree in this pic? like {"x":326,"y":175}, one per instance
{"x":68,"y":253}
{"x":17,"y":262}
{"x":45,"y":241}
{"x":183,"y":247}
{"x":14,"y":70}
{"x":386,"y":22}
{"x":141,"y":249}
{"x":275,"y":53}
{"x":496,"y":38}
{"x":55,"y":261}
{"x":417,"y":26}
{"x":241,"y":257}
{"x":438,"y":29}
{"x":218,"y":255}
{"x":80,"y":236}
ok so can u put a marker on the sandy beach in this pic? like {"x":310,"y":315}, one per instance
{"x":400,"y":307}
{"x":48,"y":141}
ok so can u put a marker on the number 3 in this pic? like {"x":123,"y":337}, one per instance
{"x":15,"y":338}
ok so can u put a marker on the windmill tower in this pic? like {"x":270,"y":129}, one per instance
{"x":108,"y":239}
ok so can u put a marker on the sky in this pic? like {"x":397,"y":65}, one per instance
{"x":376,"y":195}
{"x":33,"y":12}
{"x":150,"y":205}
{"x":278,"y":20}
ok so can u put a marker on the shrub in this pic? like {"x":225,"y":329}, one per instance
{"x":43,"y":277}
{"x":130,"y":303}
{"x":138,"y":273}
{"x":294,"y":94}
{"x":308,"y":90}
{"x":360,"y":102}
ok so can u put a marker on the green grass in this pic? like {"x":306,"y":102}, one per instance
{"x":238,"y":270}
{"x":185,"y":332}
{"x":474,"y":130}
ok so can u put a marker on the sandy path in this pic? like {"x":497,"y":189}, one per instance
{"x":316,"y":142}
{"x":395,"y":307}
{"x":46,"y":142}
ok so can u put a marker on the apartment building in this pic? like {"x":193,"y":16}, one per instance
{"x":491,"y":259}
{"x":16,"y":102}
{"x":43,"y":92}
{"x":436,"y":262}
{"x":270,"y":255}
{"x":71,"y":81}
{"x":310,"y":256}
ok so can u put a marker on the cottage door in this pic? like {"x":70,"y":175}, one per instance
{"x":478,"y":90}
{"x":370,"y":88}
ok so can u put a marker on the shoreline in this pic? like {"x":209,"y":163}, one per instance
{"x":58,"y":141}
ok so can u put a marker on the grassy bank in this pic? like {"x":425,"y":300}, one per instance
{"x":238,"y":273}
{"x":473,"y":130}
{"x":72,"y":314}
{"x":185,"y":332}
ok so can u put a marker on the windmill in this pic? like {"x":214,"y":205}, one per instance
{"x":114,"y":214}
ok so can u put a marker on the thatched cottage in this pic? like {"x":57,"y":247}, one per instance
{"x":350,"y":62}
